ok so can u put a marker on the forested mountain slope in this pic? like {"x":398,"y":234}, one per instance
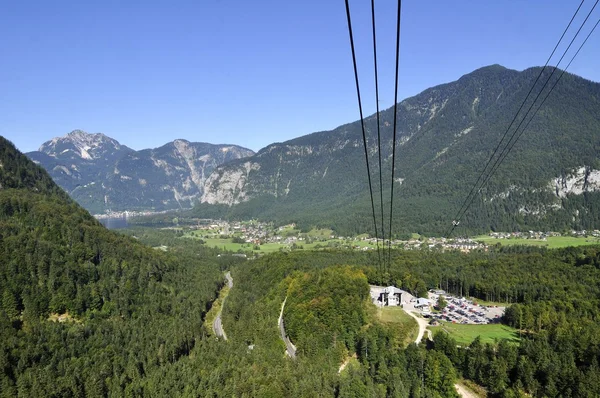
{"x":445,"y":135}
{"x":101,"y":174}
{"x":84,"y":311}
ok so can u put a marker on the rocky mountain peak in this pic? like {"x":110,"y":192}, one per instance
{"x":102,"y":174}
{"x":83,"y":145}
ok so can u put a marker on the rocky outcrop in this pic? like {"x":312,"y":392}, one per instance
{"x":584,"y":179}
{"x":228,"y":186}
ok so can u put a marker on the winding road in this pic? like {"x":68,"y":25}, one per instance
{"x":290,"y":348}
{"x":422,"y":322}
{"x":218,"y":324}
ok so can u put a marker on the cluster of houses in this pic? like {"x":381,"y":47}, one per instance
{"x":464,"y":245}
{"x":595,"y":233}
{"x":541,"y":235}
{"x":259,"y":233}
{"x":251,"y":232}
{"x":524,"y":235}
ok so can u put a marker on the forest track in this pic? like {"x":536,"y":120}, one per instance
{"x":422,"y":322}
{"x":464,"y":391}
{"x":290,"y":348}
{"x":218,"y":323}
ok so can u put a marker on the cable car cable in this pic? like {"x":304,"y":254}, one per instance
{"x":362,"y":123}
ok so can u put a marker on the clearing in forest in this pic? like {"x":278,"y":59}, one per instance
{"x":465,"y":334}
{"x":404,"y":325}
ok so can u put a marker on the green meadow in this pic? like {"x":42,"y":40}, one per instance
{"x":465,"y":334}
{"x":552,"y":242}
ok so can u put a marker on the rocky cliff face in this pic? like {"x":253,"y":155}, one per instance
{"x":102,"y":174}
{"x":584,"y":179}
{"x":171,"y":176}
{"x":228,"y":187}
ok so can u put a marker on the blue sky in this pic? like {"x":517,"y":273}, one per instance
{"x":246,"y":72}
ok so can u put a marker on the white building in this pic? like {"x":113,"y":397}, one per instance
{"x":423,"y":302}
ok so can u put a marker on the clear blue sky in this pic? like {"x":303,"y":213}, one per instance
{"x":246,"y":72}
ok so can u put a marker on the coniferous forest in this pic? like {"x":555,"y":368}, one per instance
{"x":89,"y":312}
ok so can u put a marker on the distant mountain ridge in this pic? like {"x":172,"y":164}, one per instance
{"x":101,"y":174}
{"x":445,"y":136}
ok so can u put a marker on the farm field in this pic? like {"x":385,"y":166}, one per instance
{"x":465,"y":334}
{"x":228,"y":245}
{"x":552,"y":242}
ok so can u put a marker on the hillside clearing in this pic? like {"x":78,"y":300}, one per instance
{"x":465,"y":334}
{"x":404,"y":325}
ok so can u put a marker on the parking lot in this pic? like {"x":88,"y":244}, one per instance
{"x":461,"y":310}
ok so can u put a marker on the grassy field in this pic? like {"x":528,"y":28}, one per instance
{"x":199,"y":233}
{"x":405,"y":325}
{"x":465,"y":334}
{"x":320,"y":233}
{"x":553,"y":242}
{"x":228,"y":245}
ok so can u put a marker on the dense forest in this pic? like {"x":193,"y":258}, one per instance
{"x":84,"y":311}
{"x":88,"y":312}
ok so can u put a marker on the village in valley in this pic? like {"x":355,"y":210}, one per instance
{"x":261,"y":237}
{"x":256,"y":238}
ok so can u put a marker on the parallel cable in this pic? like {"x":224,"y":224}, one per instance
{"x":378,"y":123}
{"x":362,"y":123}
{"x":471,"y":196}
{"x":504,"y":155}
{"x":395,"y":123}
{"x":508,"y":145}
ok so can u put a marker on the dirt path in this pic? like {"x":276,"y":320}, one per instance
{"x":346,"y":362}
{"x":464,"y":391}
{"x":422,"y":326}
{"x":290,"y":348}
{"x":422,"y":322}
{"x":218,"y":324}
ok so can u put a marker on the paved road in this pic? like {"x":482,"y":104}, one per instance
{"x":218,"y":324}
{"x":290,"y":348}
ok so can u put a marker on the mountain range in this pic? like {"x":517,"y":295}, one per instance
{"x":103,"y":175}
{"x":445,"y":136}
